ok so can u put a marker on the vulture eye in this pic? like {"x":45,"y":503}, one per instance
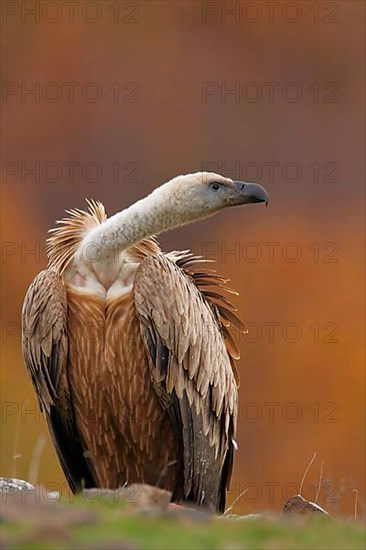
{"x":215,"y":186}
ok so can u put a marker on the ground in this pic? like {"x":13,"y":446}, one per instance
{"x":99,"y":522}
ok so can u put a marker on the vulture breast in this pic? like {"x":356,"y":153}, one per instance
{"x":116,"y":408}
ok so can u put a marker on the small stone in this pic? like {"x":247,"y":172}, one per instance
{"x":11,"y":485}
{"x":298,"y":505}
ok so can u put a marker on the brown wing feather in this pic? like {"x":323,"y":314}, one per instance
{"x":216,"y":298}
{"x":192,"y":372}
{"x":45,"y":351}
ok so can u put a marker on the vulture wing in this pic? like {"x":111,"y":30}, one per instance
{"x":190,"y":353}
{"x":45,"y":350}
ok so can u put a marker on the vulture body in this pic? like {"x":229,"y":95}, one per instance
{"x":130,"y":350}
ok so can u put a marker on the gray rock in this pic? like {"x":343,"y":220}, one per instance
{"x":10,"y":485}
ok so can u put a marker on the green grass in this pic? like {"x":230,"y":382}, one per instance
{"x":106,"y":524}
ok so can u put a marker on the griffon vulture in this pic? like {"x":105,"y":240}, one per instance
{"x":129,"y":349}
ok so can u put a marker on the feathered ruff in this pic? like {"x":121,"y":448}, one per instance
{"x":65,"y":239}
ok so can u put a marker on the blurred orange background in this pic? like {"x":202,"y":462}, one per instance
{"x":128,"y":95}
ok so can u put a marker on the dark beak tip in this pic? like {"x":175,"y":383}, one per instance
{"x":253,"y":192}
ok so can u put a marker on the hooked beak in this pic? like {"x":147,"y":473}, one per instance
{"x":250,"y":192}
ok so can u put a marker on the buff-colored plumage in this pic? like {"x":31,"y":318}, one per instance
{"x":137,"y":383}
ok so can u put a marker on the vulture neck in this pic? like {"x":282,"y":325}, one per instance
{"x":149,"y":216}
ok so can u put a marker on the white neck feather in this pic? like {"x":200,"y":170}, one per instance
{"x":152,"y":215}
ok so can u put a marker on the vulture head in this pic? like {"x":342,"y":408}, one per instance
{"x":199,"y":195}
